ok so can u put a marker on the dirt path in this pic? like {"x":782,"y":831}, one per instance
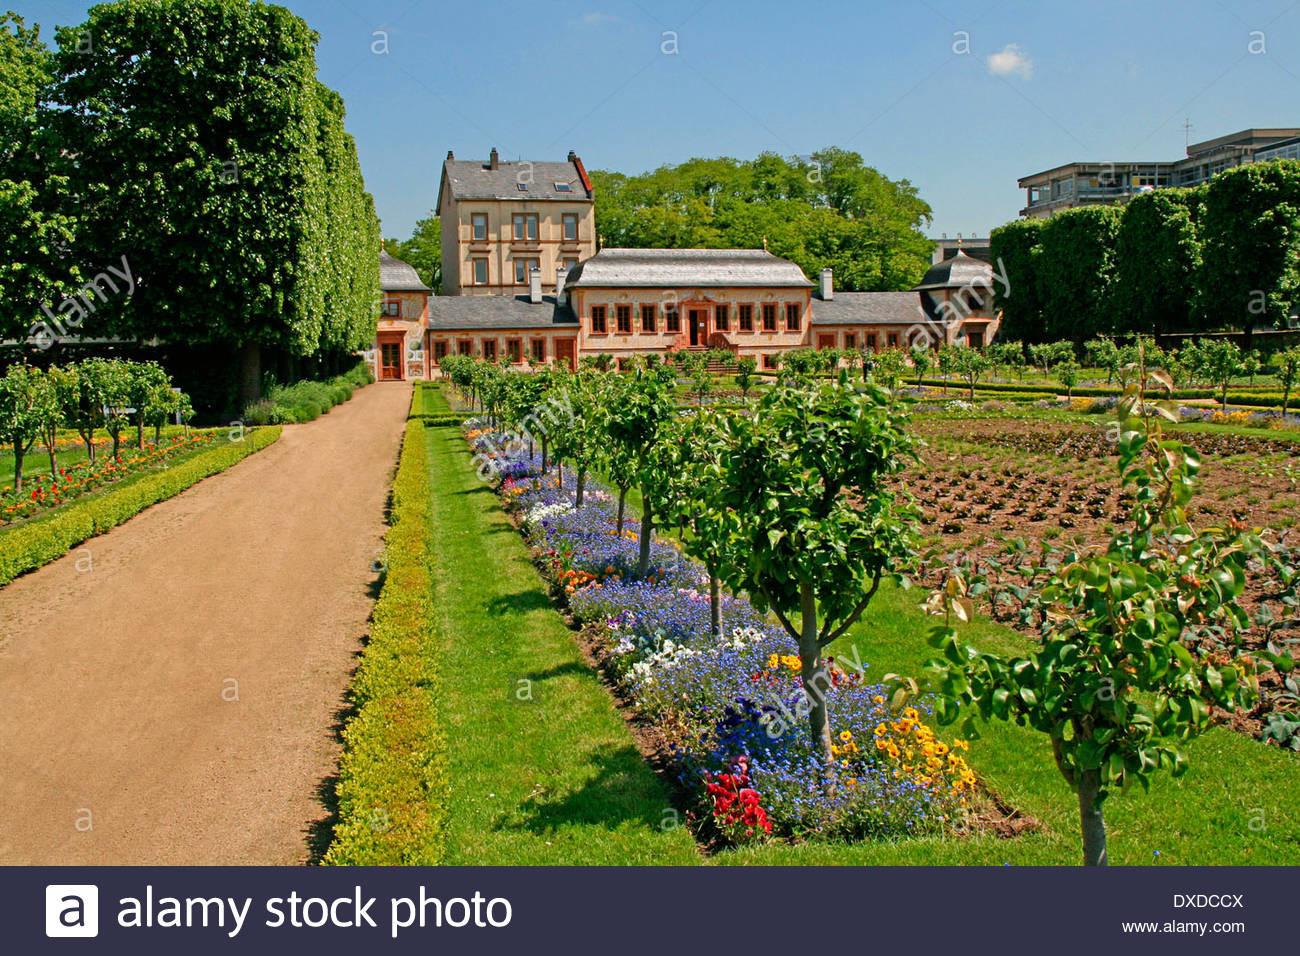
{"x":122,"y":740}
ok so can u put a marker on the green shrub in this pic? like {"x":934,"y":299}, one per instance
{"x":392,"y":790}
{"x":29,"y":546}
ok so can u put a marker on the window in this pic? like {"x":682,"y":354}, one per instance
{"x":722,"y":318}
{"x":480,"y":272}
{"x":538,"y":347}
{"x":598,"y":319}
{"x":465,"y":347}
{"x":648,"y":317}
{"x":570,"y":220}
{"x":522,"y":187}
{"x":768,"y":362}
{"x":523,"y":267}
{"x":563,"y":188}
{"x":869,"y":341}
{"x":672,"y":320}
{"x":850,"y":341}
{"x":439,"y":352}
{"x":570,"y":263}
{"x":478,"y":222}
{"x":745,"y":316}
{"x":623,"y":319}
{"x":490,"y":349}
{"x":769,"y":316}
{"x":893,"y":340}
{"x":525,"y":226}
{"x":793,"y":310}
{"x":515,"y":350}
{"x":392,"y":308}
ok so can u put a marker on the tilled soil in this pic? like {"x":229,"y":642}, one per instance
{"x":172,"y":689}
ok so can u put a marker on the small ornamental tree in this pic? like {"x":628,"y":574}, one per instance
{"x":746,"y":365}
{"x":1288,"y":370}
{"x":970,"y":364}
{"x":1114,"y":684}
{"x":581,"y":442}
{"x":1067,"y":373}
{"x":891,"y":365}
{"x":1102,"y":352}
{"x":807,"y":480}
{"x":922,"y":357}
{"x":1222,"y":363}
{"x":116,"y":381}
{"x":147,"y":383}
{"x":635,"y":428}
{"x":63,"y":382}
{"x":86,"y":412}
{"x":27,"y":404}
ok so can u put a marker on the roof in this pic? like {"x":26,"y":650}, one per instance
{"x":868,"y":308}
{"x":678,"y":268}
{"x":452,"y":313}
{"x":397,"y":276}
{"x":469,"y":179}
{"x":957,"y":272}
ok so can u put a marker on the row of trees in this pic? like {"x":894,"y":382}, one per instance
{"x":111,"y":394}
{"x":793,"y":503}
{"x":190,"y":142}
{"x":1216,"y":256}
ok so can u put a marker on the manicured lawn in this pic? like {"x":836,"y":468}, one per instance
{"x":555,"y":779}
{"x":1239,"y":804}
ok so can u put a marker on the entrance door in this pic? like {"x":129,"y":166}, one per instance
{"x":699,"y":328}
{"x":390,"y":361}
{"x":566,"y":352}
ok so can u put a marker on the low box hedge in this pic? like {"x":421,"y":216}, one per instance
{"x":30,"y":546}
{"x":392,"y":789}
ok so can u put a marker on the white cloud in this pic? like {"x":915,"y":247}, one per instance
{"x":1011,"y":60}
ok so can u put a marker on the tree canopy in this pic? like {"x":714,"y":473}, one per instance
{"x":830,"y":210}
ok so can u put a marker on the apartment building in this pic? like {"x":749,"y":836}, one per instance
{"x":1091,"y":183}
{"x":502,"y":220}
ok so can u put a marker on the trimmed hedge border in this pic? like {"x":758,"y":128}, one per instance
{"x":433,"y":419}
{"x":29,"y":547}
{"x":1262,"y":399}
{"x":393,"y":778}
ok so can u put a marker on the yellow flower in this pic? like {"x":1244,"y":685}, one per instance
{"x":845,"y":736}
{"x":877,"y":699}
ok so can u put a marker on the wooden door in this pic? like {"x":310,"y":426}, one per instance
{"x":566,"y":352}
{"x":390,"y":361}
{"x":699,"y":328}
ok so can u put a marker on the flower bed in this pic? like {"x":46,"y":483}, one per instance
{"x":42,"y":492}
{"x":730,"y":708}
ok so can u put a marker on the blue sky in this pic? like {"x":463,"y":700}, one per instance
{"x":960,"y":98}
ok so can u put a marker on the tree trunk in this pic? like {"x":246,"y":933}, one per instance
{"x":622,"y":504}
{"x":51,"y":449}
{"x":1091,"y":824}
{"x":117,"y":446}
{"x":89,"y":439}
{"x":559,"y":474}
{"x":715,"y":605}
{"x":139,"y":433}
{"x":647,"y":530}
{"x":814,"y":677}
{"x":582,"y":485}
{"x":546,"y":458}
{"x":250,"y":373}
{"x":18,"y":467}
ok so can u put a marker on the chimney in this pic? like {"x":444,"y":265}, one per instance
{"x":535,"y":285}
{"x":493,"y":159}
{"x":561,"y":274}
{"x":573,"y":156}
{"x":828,"y":285}
{"x":450,"y":155}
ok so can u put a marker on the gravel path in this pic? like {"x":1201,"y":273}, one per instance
{"x":171,"y":689}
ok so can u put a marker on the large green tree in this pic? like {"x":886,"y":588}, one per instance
{"x":1157,"y":256}
{"x":201,"y":147}
{"x":1012,"y":248}
{"x":1074,"y":267}
{"x":828,"y":210}
{"x":423,"y":251}
{"x":1251,"y":231}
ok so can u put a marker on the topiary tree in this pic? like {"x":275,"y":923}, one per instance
{"x":1102,"y":352}
{"x":1221,"y":360}
{"x":1012,"y":248}
{"x":63,"y":382}
{"x":746,"y":365}
{"x":636,"y":427}
{"x":807,"y":479}
{"x":1288,"y":370}
{"x":1114,"y":684}
{"x":1067,"y":373}
{"x":969,"y":364}
{"x":1074,"y":267}
{"x":890,"y":367}
{"x":147,"y":383}
{"x":1157,"y":259}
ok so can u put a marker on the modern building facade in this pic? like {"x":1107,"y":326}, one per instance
{"x":501,"y":220}
{"x":1092,"y":183}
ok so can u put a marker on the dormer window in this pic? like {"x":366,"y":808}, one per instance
{"x":563,"y":188}
{"x":522,"y":187}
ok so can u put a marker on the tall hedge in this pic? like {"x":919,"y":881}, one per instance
{"x":1251,"y":230}
{"x":1074,"y":266}
{"x":1011,"y":248}
{"x":201,"y":146}
{"x":1158,"y":256}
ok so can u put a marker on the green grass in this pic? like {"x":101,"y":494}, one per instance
{"x":37,"y":462}
{"x":1238,"y":804}
{"x":555,"y":779}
